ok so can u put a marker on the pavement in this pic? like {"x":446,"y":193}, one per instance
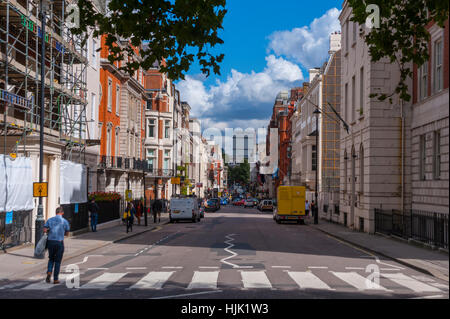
{"x":431,"y":262}
{"x":19,"y":261}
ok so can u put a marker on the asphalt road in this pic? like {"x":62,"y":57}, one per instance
{"x":231,"y":253}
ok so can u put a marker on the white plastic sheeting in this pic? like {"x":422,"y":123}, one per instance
{"x":73,"y":183}
{"x":16,"y":184}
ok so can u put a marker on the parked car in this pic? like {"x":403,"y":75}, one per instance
{"x":249,"y":203}
{"x":223,"y":201}
{"x":265,"y":204}
{"x":255,"y":201}
{"x":184,"y":209}
{"x":212,"y":205}
{"x":239,"y":202}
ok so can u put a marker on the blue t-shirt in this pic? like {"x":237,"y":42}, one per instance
{"x":307,"y":206}
{"x":58,"y":227}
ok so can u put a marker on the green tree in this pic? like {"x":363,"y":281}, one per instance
{"x":402,"y":36}
{"x":240,"y":173}
{"x":177,"y":31}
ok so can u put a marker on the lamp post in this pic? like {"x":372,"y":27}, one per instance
{"x":39,"y":224}
{"x":316,"y":207}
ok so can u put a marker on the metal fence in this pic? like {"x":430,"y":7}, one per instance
{"x":18,"y":232}
{"x":427,"y":227}
{"x":77,"y":215}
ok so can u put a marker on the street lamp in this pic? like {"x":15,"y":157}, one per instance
{"x":316,"y":208}
{"x":39,"y":224}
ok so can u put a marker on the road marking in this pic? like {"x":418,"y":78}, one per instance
{"x":42,"y":285}
{"x":186,"y":295}
{"x":438,"y":285}
{"x":97,"y":268}
{"x":204,"y":280}
{"x":410,"y":283}
{"x":318,"y":267}
{"x":255,"y":279}
{"x":157,"y":228}
{"x":208,"y":267}
{"x":85,"y":259}
{"x":308,"y":280}
{"x":103,"y":281}
{"x":358,"y":281}
{"x":153,"y":280}
{"x":355,"y":268}
{"x":389,"y":269}
{"x":281,"y":267}
{"x":136,"y":268}
{"x":172,"y":267}
{"x":429,"y":297}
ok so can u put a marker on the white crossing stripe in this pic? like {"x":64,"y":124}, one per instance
{"x":255,"y":279}
{"x":103,"y":281}
{"x":153,"y":280}
{"x":410,"y":283}
{"x":42,"y":285}
{"x":358,"y":281}
{"x":204,"y":280}
{"x":306,"y":279}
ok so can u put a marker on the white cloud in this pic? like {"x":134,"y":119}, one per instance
{"x":240,"y":90}
{"x":307,"y":45}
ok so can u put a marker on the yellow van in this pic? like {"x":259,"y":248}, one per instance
{"x":290,"y":204}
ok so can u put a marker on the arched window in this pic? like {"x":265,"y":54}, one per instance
{"x":361,"y":169}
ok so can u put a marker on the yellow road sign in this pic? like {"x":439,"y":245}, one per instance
{"x":40,"y":189}
{"x":128,"y":195}
{"x":175,"y":181}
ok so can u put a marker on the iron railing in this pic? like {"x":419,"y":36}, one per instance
{"x":428,"y":227}
{"x":18,"y":232}
{"x":128,"y":163}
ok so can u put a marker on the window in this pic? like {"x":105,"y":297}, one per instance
{"x":345,"y":171}
{"x":149,"y":105}
{"x":437,"y":154}
{"x":167,"y":129}
{"x":94,"y":53}
{"x":314,"y":158}
{"x":166,"y":159}
{"x":354,"y":32}
{"x":346,"y":102}
{"x":151,"y":158}
{"x":361,"y":91}
{"x":151,"y":128}
{"x":116,"y":150}
{"x":361,"y":169}
{"x":93,"y":106}
{"x":346,"y":35}
{"x":438,"y":74}
{"x":353,"y":99}
{"x":117,"y":99}
{"x":109,"y":95}
{"x":422,"y":157}
{"x":423,"y":81}
{"x":108,"y":141}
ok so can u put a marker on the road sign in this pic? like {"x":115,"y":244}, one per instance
{"x":13,"y":155}
{"x":40,"y":189}
{"x":128,"y":195}
{"x":199,"y":185}
{"x":175,"y":181}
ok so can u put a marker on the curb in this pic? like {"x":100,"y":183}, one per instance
{"x":87,"y":250}
{"x":402,"y":262}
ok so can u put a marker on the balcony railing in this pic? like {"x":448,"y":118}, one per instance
{"x":113,"y":162}
{"x":110,"y":162}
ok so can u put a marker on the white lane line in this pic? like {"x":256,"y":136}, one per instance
{"x":282,"y":267}
{"x":136,"y":268}
{"x":172,"y":267}
{"x":42,"y":285}
{"x":204,"y":280}
{"x":429,"y":297}
{"x":85,"y":259}
{"x":317,"y":267}
{"x":227,"y":249}
{"x":97,"y":268}
{"x":355,"y":268}
{"x":103,"y":281}
{"x":358,"y":281}
{"x":255,"y":279}
{"x":208,"y":267}
{"x":153,"y":280}
{"x":410,"y":283}
{"x":438,"y":285}
{"x":186,"y":295}
{"x":308,"y":280}
{"x":389,"y":269}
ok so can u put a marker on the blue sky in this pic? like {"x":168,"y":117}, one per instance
{"x":269,"y":46}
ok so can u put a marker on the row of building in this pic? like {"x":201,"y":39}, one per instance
{"x":130,"y":132}
{"x":371,"y":154}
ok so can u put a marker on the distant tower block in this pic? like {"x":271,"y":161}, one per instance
{"x":335,"y":41}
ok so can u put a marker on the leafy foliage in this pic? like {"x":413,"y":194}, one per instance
{"x":402,"y":36}
{"x":239,"y":173}
{"x":176,"y":32}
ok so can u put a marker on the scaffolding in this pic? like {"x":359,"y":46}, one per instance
{"x":65,"y":91}
{"x":330,"y":135}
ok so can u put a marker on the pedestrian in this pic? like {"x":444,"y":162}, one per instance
{"x":57,"y":227}
{"x":307,"y":205}
{"x":93,"y":209}
{"x":157,"y":207}
{"x":129,"y":216}
{"x":139,"y":212}
{"x":313,"y":208}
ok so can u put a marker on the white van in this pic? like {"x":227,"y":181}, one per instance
{"x":184,"y":208}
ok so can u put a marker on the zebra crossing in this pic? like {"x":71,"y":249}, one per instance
{"x":251,"y":279}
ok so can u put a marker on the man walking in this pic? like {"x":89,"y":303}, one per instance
{"x":307,"y":206}
{"x":93,"y":208}
{"x":157,"y":207}
{"x":57,"y":227}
